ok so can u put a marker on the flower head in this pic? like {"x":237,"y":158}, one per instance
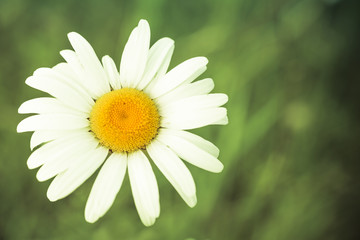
{"x":97,"y":117}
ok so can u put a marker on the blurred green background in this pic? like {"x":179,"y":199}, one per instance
{"x":291,"y":149}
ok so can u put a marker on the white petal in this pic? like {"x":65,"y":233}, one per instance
{"x":112,"y":72}
{"x":190,"y":119}
{"x":80,"y":75}
{"x":222,"y":121}
{"x":52,"y":122}
{"x":144,"y":187}
{"x":70,"y":76}
{"x":62,"y":91}
{"x":158,"y":55}
{"x":185,"y":72}
{"x":66,"y":157}
{"x":187,"y":90}
{"x":74,"y":63}
{"x":194,"y":103}
{"x":74,"y":72}
{"x":43,"y":136}
{"x":106,"y":187}
{"x":41,"y":155}
{"x":66,"y":182}
{"x":191,"y":153}
{"x":68,"y":73}
{"x":48,"y":105}
{"x":160,"y":73}
{"x":193,"y":139}
{"x":95,"y":73}
{"x":62,"y":73}
{"x":174,"y":170}
{"x":134,"y":57}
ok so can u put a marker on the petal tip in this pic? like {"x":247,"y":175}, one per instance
{"x":192,"y":201}
{"x":65,"y":52}
{"x":72,"y":35}
{"x":40,"y":176}
{"x":204,"y":60}
{"x":106,"y":58}
{"x":144,"y":28}
{"x":226,"y":98}
{"x":20,"y":128}
{"x":143,"y":22}
{"x":90,"y":218}
{"x":30,"y":165}
{"x":226,"y":121}
{"x":149,"y":223}
{"x":22,"y":109}
{"x":52,"y":197}
{"x":220,"y":168}
{"x":29,"y":81}
{"x":168,"y":40}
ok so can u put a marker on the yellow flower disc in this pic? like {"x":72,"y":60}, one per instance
{"x":124,"y":120}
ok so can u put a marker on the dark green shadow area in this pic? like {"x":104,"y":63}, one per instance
{"x":290,"y":150}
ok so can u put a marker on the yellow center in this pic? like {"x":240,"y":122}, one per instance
{"x":124,"y":120}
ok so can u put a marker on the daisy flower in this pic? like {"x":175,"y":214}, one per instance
{"x":119,"y":120}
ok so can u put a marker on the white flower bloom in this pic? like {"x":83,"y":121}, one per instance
{"x":98,"y":117}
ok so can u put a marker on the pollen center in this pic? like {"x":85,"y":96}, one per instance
{"x":124,"y":120}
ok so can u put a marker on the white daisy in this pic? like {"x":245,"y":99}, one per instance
{"x":98,"y":117}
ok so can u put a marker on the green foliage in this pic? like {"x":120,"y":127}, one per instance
{"x":273,"y":59}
